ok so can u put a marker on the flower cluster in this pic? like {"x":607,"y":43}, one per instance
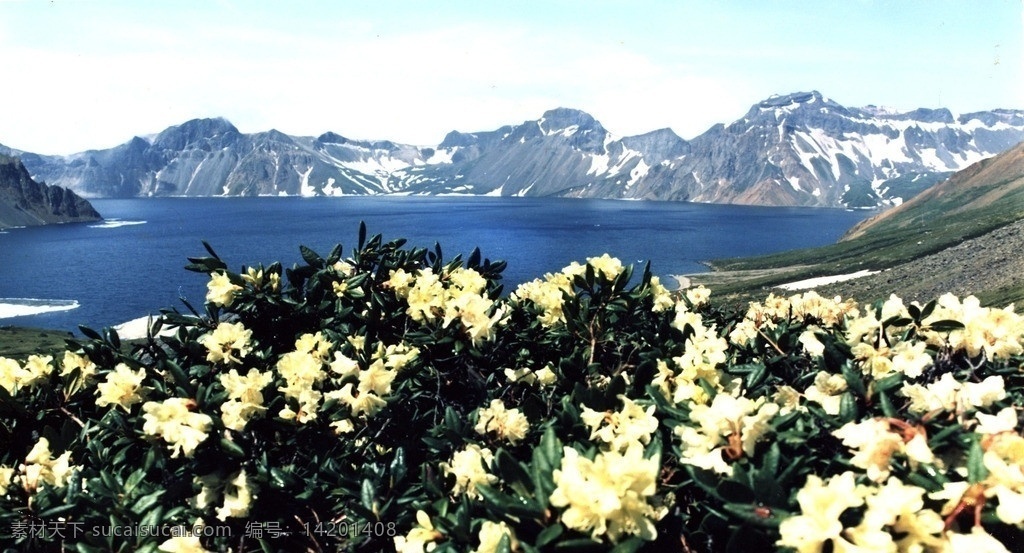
{"x":122,"y":387}
{"x":38,"y":469}
{"x":245,"y":397}
{"x":460,"y":294}
{"x":14,"y":376}
{"x":174,"y":420}
{"x":724,"y":430}
{"x":227,"y":344}
{"x":505,"y":424}
{"x":609,"y":494}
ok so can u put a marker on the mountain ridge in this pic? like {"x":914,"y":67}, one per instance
{"x":799,"y":149}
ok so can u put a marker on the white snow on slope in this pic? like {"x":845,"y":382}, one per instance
{"x":821,"y":281}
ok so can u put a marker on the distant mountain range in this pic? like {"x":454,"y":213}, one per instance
{"x":25,"y":202}
{"x":801,"y":149}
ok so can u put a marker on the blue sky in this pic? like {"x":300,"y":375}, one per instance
{"x":94,"y":73}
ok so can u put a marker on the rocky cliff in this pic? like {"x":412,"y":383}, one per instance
{"x":25,"y":202}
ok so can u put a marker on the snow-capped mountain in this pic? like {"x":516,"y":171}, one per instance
{"x":798,"y":149}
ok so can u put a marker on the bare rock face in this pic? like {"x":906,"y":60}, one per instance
{"x":798,"y":149}
{"x":25,"y":202}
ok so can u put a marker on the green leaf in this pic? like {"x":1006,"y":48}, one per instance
{"x":549,"y":534}
{"x":631,"y":545}
{"x":232,"y":448}
{"x":546,"y":457}
{"x":312,"y":258}
{"x":368,"y":495}
{"x":976,"y":469}
{"x":112,"y":338}
{"x":887,"y":407}
{"x":734,"y":492}
{"x":516,"y":506}
{"x":755,"y":515}
{"x":397,"y":469}
{"x":854,"y":380}
{"x":509,"y":469}
{"x":848,"y":410}
{"x":578,"y":544}
{"x":757,"y":376}
{"x":946,"y":325}
{"x":889,"y":382}
{"x":90,"y":333}
{"x":362,"y":235}
{"x":146,"y":502}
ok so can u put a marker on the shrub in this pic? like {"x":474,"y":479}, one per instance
{"x":393,"y":400}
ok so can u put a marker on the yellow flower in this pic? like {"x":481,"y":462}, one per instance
{"x":246,"y":388}
{"x":245,"y":397}
{"x":41,"y":468}
{"x":72,"y":361}
{"x":490,"y":537}
{"x":220,"y":290}
{"x":994,"y":333}
{"x":122,"y":387}
{"x":401,"y":282}
{"x":469,"y":467}
{"x":949,"y":394}
{"x":421,"y":538}
{"x":13,"y":376}
{"x":978,"y":540}
{"x":698,"y":296}
{"x":10,"y":374}
{"x":343,"y":268}
{"x":228,"y":343}
{"x":315,"y":345}
{"x":182,"y":544}
{"x":301,"y":371}
{"x":339,"y":288}
{"x":360,"y":403}
{"x":36,"y":370}
{"x":820,"y":508}
{"x":506,"y":424}
{"x":812,"y":345}
{"x":238,"y":496}
{"x":660,"y":296}
{"x":468,"y":280}
{"x":729,"y":427}
{"x":6,"y":476}
{"x":608,"y":496}
{"x":875,"y":443}
{"x":174,"y":422}
{"x":1003,"y":421}
{"x":606,"y":266}
{"x":827,"y":391}
{"x":376,"y":379}
{"x":619,"y":429}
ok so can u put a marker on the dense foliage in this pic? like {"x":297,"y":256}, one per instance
{"x":392,"y":400}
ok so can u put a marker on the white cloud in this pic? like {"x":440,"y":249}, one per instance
{"x":412,"y":80}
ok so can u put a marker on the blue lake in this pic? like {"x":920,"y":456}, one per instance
{"x":132,"y":264}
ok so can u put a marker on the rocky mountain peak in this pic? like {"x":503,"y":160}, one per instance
{"x":331,"y":138}
{"x":196,"y":130}
{"x":567,"y":120}
{"x":661,"y":144}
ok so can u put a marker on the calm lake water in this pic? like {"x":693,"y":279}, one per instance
{"x":132,"y":264}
